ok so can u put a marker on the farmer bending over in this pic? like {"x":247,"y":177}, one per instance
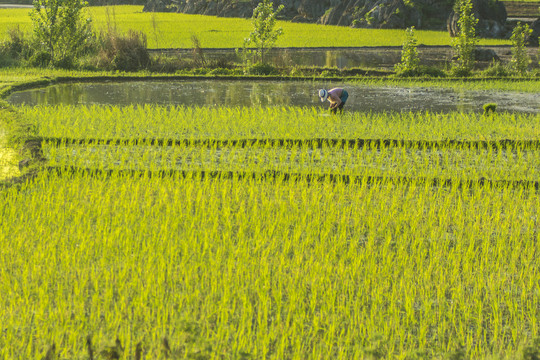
{"x":337,"y":98}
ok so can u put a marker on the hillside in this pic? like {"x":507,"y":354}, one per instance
{"x":378,"y":14}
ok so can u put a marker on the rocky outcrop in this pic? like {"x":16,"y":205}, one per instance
{"x":380,"y":14}
{"x":491,"y":17}
{"x":387,"y":14}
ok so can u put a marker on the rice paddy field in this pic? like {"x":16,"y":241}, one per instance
{"x":172,"y":30}
{"x":184,"y":232}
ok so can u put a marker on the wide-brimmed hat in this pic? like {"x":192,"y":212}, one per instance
{"x":323,"y":94}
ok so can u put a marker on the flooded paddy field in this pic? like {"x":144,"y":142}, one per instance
{"x":275,"y":93}
{"x":96,"y":246}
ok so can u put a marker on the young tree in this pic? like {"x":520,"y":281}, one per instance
{"x":520,"y":58}
{"x":465,"y":42}
{"x":60,"y":29}
{"x":410,"y":61}
{"x":264,"y":35}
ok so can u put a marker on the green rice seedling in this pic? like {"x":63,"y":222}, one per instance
{"x":150,"y":121}
{"x":489,"y":108}
{"x":273,"y":269}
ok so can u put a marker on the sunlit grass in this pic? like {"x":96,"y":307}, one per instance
{"x":237,"y":268}
{"x":8,"y":158}
{"x":273,"y":269}
{"x":178,"y":122}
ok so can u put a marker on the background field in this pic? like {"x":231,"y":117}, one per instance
{"x":175,"y":30}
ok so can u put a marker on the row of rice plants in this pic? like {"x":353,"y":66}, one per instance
{"x":178,"y":122}
{"x":446,"y":163}
{"x":276,"y":270}
{"x":525,"y":85}
{"x":173,"y":30}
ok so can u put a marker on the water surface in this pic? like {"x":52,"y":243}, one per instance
{"x":274,"y":93}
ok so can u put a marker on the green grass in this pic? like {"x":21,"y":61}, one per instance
{"x":160,"y":122}
{"x":152,"y":121}
{"x":525,"y":1}
{"x":175,"y":30}
{"x":276,"y":270}
{"x":523,"y":85}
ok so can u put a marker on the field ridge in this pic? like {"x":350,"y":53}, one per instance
{"x":272,"y":175}
{"x":287,"y":143}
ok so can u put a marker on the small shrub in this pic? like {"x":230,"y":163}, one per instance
{"x":263,"y":69}
{"x":520,"y":58}
{"x":264,"y":36}
{"x":422,"y":71}
{"x":61,"y":29}
{"x":16,"y":46}
{"x":458,"y":71}
{"x":410,"y":61}
{"x":496,"y":69}
{"x":40,"y":59}
{"x":465,"y":42}
{"x":490,"y":108}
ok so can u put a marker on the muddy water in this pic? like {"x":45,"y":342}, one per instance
{"x":274,"y":93}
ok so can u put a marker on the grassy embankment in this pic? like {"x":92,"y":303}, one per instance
{"x":175,"y":30}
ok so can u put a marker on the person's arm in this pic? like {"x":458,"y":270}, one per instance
{"x":336,"y":101}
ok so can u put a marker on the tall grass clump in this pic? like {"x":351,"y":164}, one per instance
{"x":124,"y":52}
{"x":15,"y":48}
{"x":520,"y":58}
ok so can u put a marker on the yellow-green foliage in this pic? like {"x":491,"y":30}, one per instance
{"x":271,"y":269}
{"x":151,"y":121}
{"x":274,"y":269}
{"x":175,"y":30}
{"x":158,"y":122}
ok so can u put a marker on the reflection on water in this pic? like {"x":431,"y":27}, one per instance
{"x":274,"y":93}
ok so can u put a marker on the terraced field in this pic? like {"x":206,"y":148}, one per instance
{"x":186,"y":232}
